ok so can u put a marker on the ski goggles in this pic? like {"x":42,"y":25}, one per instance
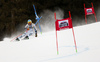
{"x":29,"y":22}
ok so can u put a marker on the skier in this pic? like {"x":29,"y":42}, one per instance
{"x":29,"y":26}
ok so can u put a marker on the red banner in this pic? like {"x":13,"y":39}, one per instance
{"x":63,"y":24}
{"x":89,"y":11}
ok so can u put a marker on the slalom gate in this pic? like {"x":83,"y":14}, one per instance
{"x":89,"y":11}
{"x":64,"y":24}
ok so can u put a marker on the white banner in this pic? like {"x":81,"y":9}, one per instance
{"x":63,"y":23}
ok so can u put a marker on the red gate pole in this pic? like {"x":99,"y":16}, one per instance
{"x":18,"y":36}
{"x":57,"y":43}
{"x":15,"y":37}
{"x":69,"y":14}
{"x":95,"y":17}
{"x":85,"y":14}
{"x":74,"y":39}
{"x":85,"y":19}
{"x":94,"y":12}
{"x":55,"y":16}
{"x":73,"y":33}
{"x":56,"y":35}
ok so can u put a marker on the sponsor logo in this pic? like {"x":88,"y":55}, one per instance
{"x":63,"y":23}
{"x":89,"y":10}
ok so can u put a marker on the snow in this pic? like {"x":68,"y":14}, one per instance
{"x":43,"y":48}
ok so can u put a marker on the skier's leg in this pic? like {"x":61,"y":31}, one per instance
{"x":35,"y":33}
{"x":30,"y":32}
{"x":23,"y":35}
{"x":27,"y":35}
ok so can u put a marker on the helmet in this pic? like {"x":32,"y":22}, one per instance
{"x":29,"y":21}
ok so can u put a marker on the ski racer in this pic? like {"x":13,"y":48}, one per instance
{"x":29,"y":30}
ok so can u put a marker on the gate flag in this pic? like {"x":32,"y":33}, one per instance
{"x":89,"y":11}
{"x":64,"y":24}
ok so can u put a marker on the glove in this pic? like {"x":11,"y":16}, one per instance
{"x":27,"y":28}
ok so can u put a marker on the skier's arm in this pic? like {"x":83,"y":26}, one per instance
{"x":27,"y":27}
{"x":33,"y":25}
{"x":35,"y":30}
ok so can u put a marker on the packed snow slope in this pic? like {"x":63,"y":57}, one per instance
{"x":43,"y":48}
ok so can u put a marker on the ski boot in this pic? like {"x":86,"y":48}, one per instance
{"x":17,"y":39}
{"x":26,"y":37}
{"x":35,"y":33}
